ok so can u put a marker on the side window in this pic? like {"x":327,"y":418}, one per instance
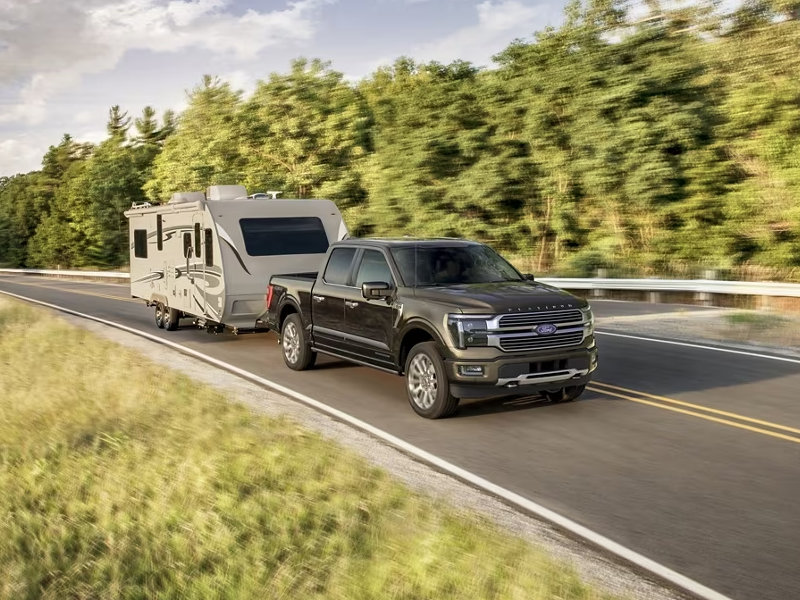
{"x":209,"y":250}
{"x":159,"y":232}
{"x":373,"y":267}
{"x":140,"y":243}
{"x":187,"y":243}
{"x":198,"y":241}
{"x":339,"y":266}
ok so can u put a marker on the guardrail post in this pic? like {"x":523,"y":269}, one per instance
{"x":597,"y":292}
{"x":706,"y":298}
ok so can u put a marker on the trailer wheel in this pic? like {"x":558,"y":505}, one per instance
{"x":159,"y":315}
{"x":295,"y":347}
{"x":171,"y":317}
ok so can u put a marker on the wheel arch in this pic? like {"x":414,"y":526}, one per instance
{"x":415,"y":332}
{"x":288,"y":308}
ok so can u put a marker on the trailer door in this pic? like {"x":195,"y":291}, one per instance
{"x":198,"y":266}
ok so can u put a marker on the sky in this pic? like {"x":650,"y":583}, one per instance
{"x":63,"y":63}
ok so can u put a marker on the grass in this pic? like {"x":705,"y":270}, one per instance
{"x":123,"y":479}
{"x":754,"y":319}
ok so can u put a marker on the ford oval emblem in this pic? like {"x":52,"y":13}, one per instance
{"x":546,"y":329}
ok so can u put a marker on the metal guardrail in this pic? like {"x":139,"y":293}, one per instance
{"x":91,"y":274}
{"x":700,"y":286}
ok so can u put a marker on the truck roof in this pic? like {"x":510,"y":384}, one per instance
{"x":406,"y":241}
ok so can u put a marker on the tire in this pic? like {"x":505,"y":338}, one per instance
{"x":171,"y":318}
{"x":159,"y":315}
{"x":295,"y":346}
{"x":565,"y":394}
{"x":427,"y":385}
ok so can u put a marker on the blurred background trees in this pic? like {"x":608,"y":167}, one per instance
{"x":656,"y":143}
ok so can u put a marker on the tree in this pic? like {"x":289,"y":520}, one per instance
{"x":118,"y":123}
{"x":303,"y":131}
{"x":205,"y":148}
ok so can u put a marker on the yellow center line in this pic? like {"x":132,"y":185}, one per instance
{"x":715,"y":411}
{"x":63,"y":289}
{"x":780,"y":436}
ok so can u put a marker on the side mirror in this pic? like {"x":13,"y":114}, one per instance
{"x":528,"y":277}
{"x":376,"y":290}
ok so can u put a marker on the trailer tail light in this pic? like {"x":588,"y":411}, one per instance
{"x":270,"y":291}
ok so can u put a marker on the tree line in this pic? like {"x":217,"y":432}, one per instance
{"x":650,"y":144}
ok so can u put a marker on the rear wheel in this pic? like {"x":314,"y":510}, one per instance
{"x":565,"y":394}
{"x":295,"y":346}
{"x":171,"y":318}
{"x":159,"y":315}
{"x":426,"y":383}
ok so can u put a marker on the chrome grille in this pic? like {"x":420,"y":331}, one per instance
{"x":540,"y":342}
{"x":530,"y":319}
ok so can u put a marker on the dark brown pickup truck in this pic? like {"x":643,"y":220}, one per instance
{"x":453,"y":316}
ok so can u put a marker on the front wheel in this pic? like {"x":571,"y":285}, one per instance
{"x":296,"y":349}
{"x":426,"y":383}
{"x":565,"y":394}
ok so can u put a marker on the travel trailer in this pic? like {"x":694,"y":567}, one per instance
{"x":208,"y":256}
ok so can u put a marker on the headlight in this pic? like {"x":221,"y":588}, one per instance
{"x":468,"y":330}
{"x":588,"y":320}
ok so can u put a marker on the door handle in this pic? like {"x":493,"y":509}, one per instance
{"x":316,"y":298}
{"x":350,"y":304}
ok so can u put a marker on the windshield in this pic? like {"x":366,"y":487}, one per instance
{"x":452,"y":265}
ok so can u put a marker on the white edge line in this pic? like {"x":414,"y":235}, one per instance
{"x":661,"y":571}
{"x":701,"y":346}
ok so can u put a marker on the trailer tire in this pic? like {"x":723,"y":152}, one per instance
{"x":295,"y":346}
{"x":159,"y":314}
{"x":171,"y":318}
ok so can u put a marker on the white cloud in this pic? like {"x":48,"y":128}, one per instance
{"x":94,"y":136}
{"x":498,"y":22}
{"x":17,"y":155}
{"x":48,"y":46}
{"x":240,"y":80}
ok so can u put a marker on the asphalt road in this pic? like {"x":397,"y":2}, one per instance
{"x":688,"y":456}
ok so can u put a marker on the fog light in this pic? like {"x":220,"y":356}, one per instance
{"x":471,"y":370}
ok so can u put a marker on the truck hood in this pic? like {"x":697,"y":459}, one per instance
{"x":503,"y":297}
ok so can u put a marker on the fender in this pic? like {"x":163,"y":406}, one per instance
{"x":288,"y":300}
{"x":417,"y":323}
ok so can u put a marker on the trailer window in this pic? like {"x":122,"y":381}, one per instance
{"x":187,"y":244}
{"x":140,"y":243}
{"x":159,"y":233}
{"x":198,"y":241}
{"x":209,"y":240}
{"x":288,"y":235}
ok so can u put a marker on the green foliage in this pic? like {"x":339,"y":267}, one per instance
{"x":206,"y":147}
{"x":664,"y":145}
{"x":302,"y":133}
{"x":127,"y":480}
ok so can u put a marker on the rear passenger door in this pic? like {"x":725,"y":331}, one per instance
{"x":328,"y":297}
{"x":369,"y":324}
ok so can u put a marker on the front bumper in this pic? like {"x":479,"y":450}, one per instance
{"x":527,"y":373}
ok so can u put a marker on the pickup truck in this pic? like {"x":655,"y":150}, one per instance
{"x":451,"y":315}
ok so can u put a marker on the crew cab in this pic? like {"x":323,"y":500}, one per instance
{"x":453,"y":316}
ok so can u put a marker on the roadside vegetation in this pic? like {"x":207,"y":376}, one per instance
{"x":661,"y":142}
{"x":123,"y":479}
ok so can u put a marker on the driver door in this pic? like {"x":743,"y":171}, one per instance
{"x":369,"y":324}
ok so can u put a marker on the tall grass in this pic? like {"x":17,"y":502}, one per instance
{"x":121,"y":479}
